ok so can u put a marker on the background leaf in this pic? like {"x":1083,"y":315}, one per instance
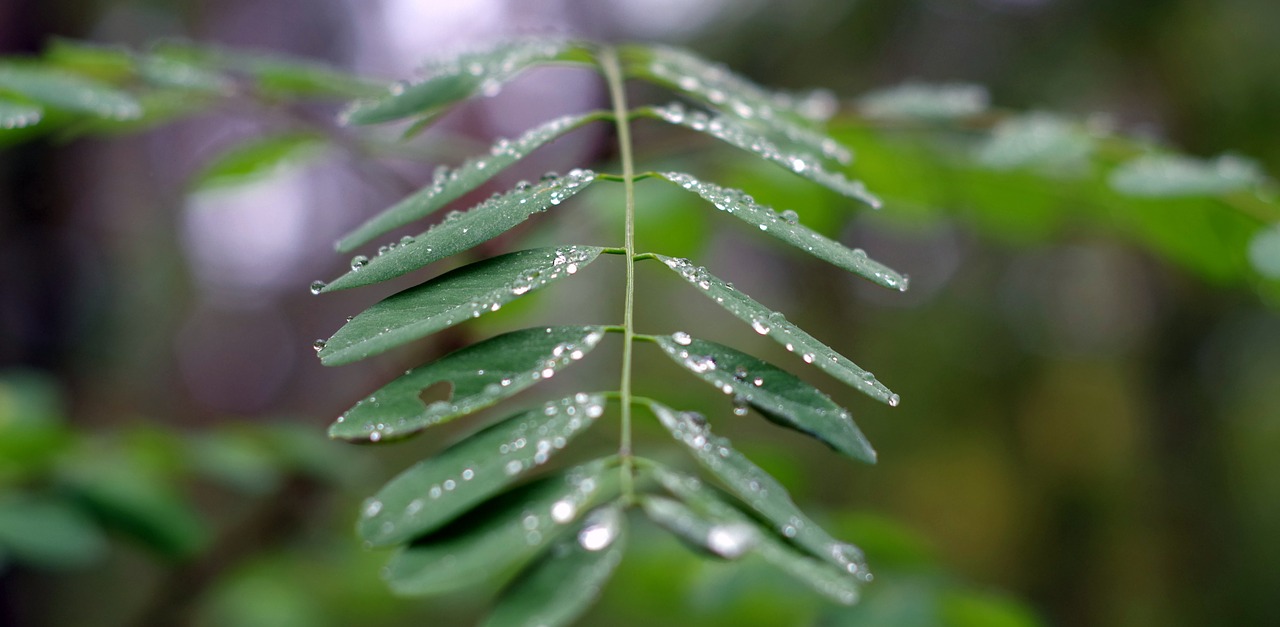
{"x":925,"y":101}
{"x":66,"y":91}
{"x":1166,"y":176}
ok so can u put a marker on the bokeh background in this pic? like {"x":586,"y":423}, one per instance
{"x":1090,"y":424}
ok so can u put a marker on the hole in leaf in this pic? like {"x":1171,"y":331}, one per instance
{"x":438,"y":392}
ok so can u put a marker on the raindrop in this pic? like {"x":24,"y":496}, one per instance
{"x":359,"y":261}
{"x":682,"y":338}
{"x":317,"y":286}
{"x":319,"y":345}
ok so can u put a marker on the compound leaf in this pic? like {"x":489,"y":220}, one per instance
{"x":775,"y":326}
{"x":1169,"y":176}
{"x":460,"y":78}
{"x":786,"y":227}
{"x":463,"y":230}
{"x":435,"y":491}
{"x":783,"y":115}
{"x":18,"y":115}
{"x":452,"y":298}
{"x":480,"y":375}
{"x":557,"y":589}
{"x":777,"y":394}
{"x":503,"y":534}
{"x":731,"y":131}
{"x":61,"y":90}
{"x":448,"y":185}
{"x":839,"y":583}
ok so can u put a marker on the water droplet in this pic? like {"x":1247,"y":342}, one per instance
{"x":894,"y":399}
{"x":601,"y":529}
{"x":563,"y":511}
{"x":790,"y":216}
{"x":682,"y":338}
{"x":319,"y":345}
{"x":359,"y":261}
{"x":317,"y":286}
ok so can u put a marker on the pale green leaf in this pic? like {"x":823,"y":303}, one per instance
{"x":18,"y":115}
{"x":463,"y":230}
{"x":274,"y":73}
{"x":61,"y":90}
{"x":925,"y":101}
{"x":1169,"y":176}
{"x":479,"y":375}
{"x":450,"y":184}
{"x":777,"y":394}
{"x":724,"y":538}
{"x":47,"y":532}
{"x":503,"y":534}
{"x":256,"y":159}
{"x":181,"y":74}
{"x":460,"y":78}
{"x":735,"y":133}
{"x":1035,"y":139}
{"x":787,"y":228}
{"x":452,"y":298}
{"x":775,"y":326}
{"x":557,"y":589}
{"x":433,"y":492}
{"x":783,"y":115}
{"x":1264,"y":251}
{"x":836,"y":583}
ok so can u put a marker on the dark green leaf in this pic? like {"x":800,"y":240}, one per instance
{"x":776,"y":326}
{"x":18,"y":115}
{"x":62,"y":90}
{"x":460,"y":78}
{"x":724,"y":539}
{"x":777,"y":394}
{"x":256,"y":159}
{"x":463,"y":230}
{"x":557,"y":589}
{"x":736,"y":133}
{"x":434,"y":492}
{"x":924,"y":101}
{"x":491,"y":541}
{"x":758,"y":490}
{"x":452,"y":298}
{"x":783,"y":115}
{"x":837,"y":584}
{"x":47,"y":532}
{"x":1169,"y":176}
{"x":479,"y":375}
{"x":449,"y":185}
{"x":1035,"y":139}
{"x":786,"y":227}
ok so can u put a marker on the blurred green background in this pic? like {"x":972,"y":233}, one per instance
{"x":1090,"y":419}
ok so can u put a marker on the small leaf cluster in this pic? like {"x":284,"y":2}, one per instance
{"x":485,"y":508}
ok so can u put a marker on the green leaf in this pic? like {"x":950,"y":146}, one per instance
{"x":1264,"y":251}
{"x":460,"y":78}
{"x":557,"y":589}
{"x":501,"y":535}
{"x":786,"y":227}
{"x":1171,"y":176}
{"x":18,"y":115}
{"x":836,"y":583}
{"x":47,"y":532}
{"x":452,"y":298}
{"x":758,"y":489}
{"x":725,"y":539}
{"x":256,"y":159}
{"x":1035,"y":139}
{"x":463,"y":230}
{"x":784,"y":115}
{"x":449,"y":185}
{"x":61,"y":90}
{"x":777,"y":394}
{"x":181,"y":74}
{"x":775,"y":326}
{"x":274,"y":73}
{"x":434,"y":492}
{"x":924,"y":101}
{"x":480,"y":375}
{"x":746,"y":138}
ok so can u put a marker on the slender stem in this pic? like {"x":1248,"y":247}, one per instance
{"x":617,"y":93}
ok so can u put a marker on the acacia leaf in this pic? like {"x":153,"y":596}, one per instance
{"x":463,"y":230}
{"x":1035,"y":139}
{"x":501,"y":535}
{"x":450,"y":184}
{"x":787,"y":228}
{"x":775,"y":326}
{"x":775,"y":393}
{"x":924,"y":101}
{"x":460,"y":78}
{"x":558,"y":588}
{"x":62,"y":90}
{"x":724,"y":539}
{"x":433,"y":492}
{"x":273,"y":73}
{"x":452,"y":298}
{"x":479,"y":375}
{"x":256,"y":159}
{"x":738,"y":134}
{"x":18,"y":114}
{"x":836,"y":582}
{"x":1171,"y":176}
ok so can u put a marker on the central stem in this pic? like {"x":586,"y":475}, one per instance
{"x":617,"y":93}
